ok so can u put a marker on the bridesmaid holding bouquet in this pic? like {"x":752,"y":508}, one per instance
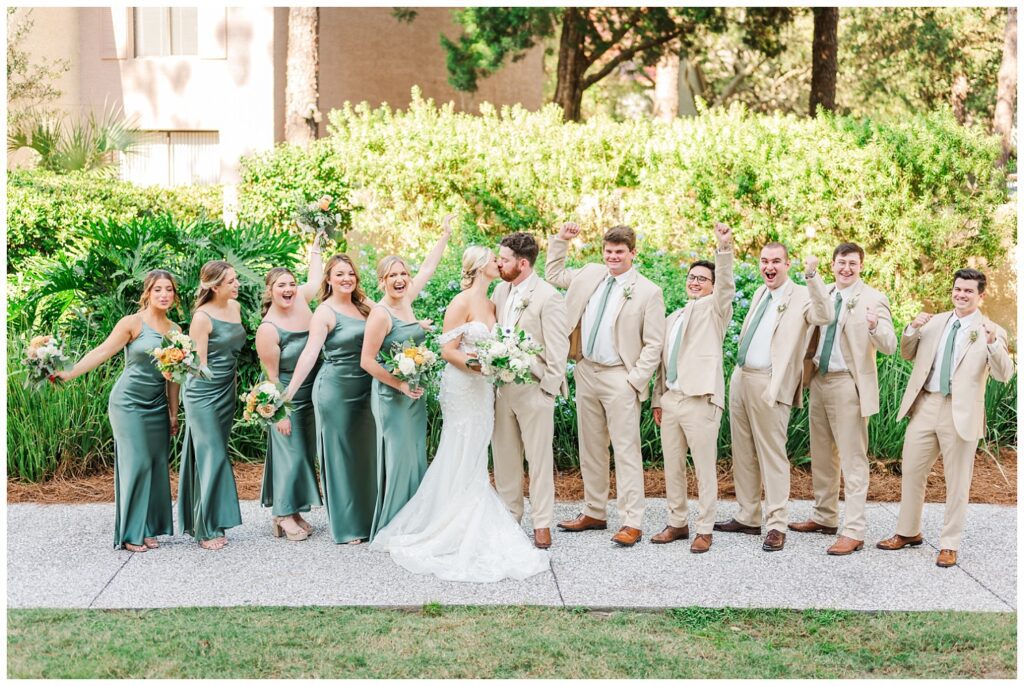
{"x":143,"y":411}
{"x":207,"y":496}
{"x":400,"y":413}
{"x":289,"y":475}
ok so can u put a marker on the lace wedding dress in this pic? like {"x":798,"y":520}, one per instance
{"x":456,"y":527}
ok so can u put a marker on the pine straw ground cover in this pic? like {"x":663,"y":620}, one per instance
{"x":994,"y":483}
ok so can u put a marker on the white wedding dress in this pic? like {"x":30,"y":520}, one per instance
{"x":456,"y":527}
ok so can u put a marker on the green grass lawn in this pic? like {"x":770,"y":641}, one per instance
{"x":506,"y":642}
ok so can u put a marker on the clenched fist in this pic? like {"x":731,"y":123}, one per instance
{"x":990,"y":333}
{"x":724,"y":235}
{"x":920,"y":320}
{"x":568,"y":231}
{"x":871,"y":317}
{"x":811,"y":263}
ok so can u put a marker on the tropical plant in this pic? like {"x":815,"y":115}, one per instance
{"x":91,"y":143}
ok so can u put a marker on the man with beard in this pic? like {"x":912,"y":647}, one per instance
{"x":524,"y":413}
{"x":765,"y":385}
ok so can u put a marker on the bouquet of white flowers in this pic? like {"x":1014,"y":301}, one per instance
{"x":319,"y":215}
{"x":44,"y":357}
{"x":265,"y":404}
{"x":507,"y":356}
{"x":177,"y":358}
{"x":411,"y":363}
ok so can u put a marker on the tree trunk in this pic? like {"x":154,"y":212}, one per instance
{"x":301,"y":100}
{"x":1006,"y":96}
{"x":824,"y":56}
{"x":571,"y":65}
{"x":666,"y":87}
{"x":958,"y":98}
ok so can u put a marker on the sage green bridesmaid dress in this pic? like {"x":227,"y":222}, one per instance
{"x":289,"y":475}
{"x":142,"y":441}
{"x":401,"y":435}
{"x":207,"y":496}
{"x":346,"y":432}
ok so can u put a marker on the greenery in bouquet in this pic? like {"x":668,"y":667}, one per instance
{"x":265,"y":404}
{"x":177,"y":358}
{"x":44,"y":357}
{"x":323,"y":214}
{"x":411,"y":363}
{"x":508,"y":356}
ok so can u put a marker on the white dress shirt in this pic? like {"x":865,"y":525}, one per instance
{"x":671,"y":341}
{"x":604,"y":346}
{"x":759,"y":354}
{"x":932,"y":384}
{"x":515,"y":295}
{"x":836,"y":363}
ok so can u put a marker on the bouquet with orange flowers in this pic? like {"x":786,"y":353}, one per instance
{"x":177,"y":358}
{"x":319,"y":215}
{"x":44,"y":357}
{"x":411,"y":363}
{"x":265,"y":404}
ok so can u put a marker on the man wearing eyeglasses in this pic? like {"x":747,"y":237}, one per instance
{"x":689,"y":392}
{"x":843,"y":375}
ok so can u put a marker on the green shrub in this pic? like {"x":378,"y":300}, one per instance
{"x":47,"y":212}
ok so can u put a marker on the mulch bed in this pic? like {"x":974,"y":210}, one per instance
{"x":994,"y":483}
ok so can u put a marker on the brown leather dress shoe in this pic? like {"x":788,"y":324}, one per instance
{"x":774,"y":541}
{"x":845,"y":545}
{"x":811,"y":526}
{"x":732,"y":526}
{"x":582,"y":523}
{"x":701,"y":543}
{"x":671,"y":533}
{"x":946,"y":558}
{"x":542,"y":538}
{"x":897,"y":542}
{"x":627,"y":536}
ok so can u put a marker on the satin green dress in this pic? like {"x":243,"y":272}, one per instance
{"x":207,"y":496}
{"x":346,"y":432}
{"x":142,"y":441}
{"x":289,"y":475}
{"x":401,"y":435}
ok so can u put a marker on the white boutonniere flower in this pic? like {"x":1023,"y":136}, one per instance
{"x":781,"y":308}
{"x":851,"y":303}
{"x":974,"y":335}
{"x":522,"y":305}
{"x":627,"y":292}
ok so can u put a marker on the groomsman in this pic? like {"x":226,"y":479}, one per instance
{"x":843,"y":376}
{"x":617,"y":319}
{"x":689,"y":392}
{"x":953,"y":354}
{"x":524,"y":414}
{"x":765,"y":384}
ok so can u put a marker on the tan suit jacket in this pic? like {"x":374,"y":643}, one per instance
{"x":543,"y":317}
{"x":858,"y":346}
{"x":699,"y":363}
{"x":802,"y":308}
{"x":639,"y":328}
{"x":971,"y":370}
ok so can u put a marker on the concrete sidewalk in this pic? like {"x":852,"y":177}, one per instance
{"x":61,"y":556}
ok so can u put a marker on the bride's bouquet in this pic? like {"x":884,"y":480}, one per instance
{"x":44,"y":357}
{"x":177,"y":358}
{"x":265,"y":404}
{"x":507,"y":356}
{"x":411,"y":363}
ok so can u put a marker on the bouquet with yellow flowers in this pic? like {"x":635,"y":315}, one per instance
{"x":44,"y":357}
{"x":319,"y":215}
{"x":411,"y":363}
{"x":177,"y":358}
{"x":265,"y":404}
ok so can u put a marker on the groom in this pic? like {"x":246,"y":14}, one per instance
{"x":524,"y":414}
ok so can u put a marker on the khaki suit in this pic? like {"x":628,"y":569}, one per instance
{"x":691,"y":417}
{"x":608,"y":398}
{"x":760,"y":402}
{"x":841,"y":403}
{"x":951,"y":424}
{"x":524,"y":414}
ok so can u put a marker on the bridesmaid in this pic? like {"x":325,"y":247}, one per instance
{"x":289,"y":476}
{"x":143,"y":410}
{"x":207,"y":496}
{"x":345,"y":430}
{"x":400,"y":415}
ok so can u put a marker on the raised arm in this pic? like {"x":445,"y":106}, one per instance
{"x":319,"y":327}
{"x":429,"y":265}
{"x":555,"y":272}
{"x":269,"y":350}
{"x":880,"y":328}
{"x":912,"y":336}
{"x":1000,"y":366}
{"x":114,"y":343}
{"x":316,"y":269}
{"x":378,"y":324}
{"x":725,"y":281}
{"x":819,"y":310}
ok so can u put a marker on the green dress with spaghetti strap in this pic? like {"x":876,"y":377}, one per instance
{"x":289,"y":474}
{"x":137,"y":408}
{"x":207,"y":495}
{"x":346,"y":432}
{"x":401,"y":435}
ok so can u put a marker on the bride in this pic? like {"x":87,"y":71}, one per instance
{"x":455,"y":526}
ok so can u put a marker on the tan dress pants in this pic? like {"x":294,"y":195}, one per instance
{"x":524,"y":422}
{"x":692,"y":422}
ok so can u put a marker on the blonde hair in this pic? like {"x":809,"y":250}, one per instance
{"x":326,"y":290}
{"x":147,"y":285}
{"x":268,"y":293}
{"x":385,"y":265}
{"x":210,"y":276}
{"x":474,"y":259}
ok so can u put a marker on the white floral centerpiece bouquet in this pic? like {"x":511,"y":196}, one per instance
{"x":44,"y":357}
{"x":177,"y":358}
{"x":411,"y":363}
{"x":508,"y":356}
{"x":265,"y":404}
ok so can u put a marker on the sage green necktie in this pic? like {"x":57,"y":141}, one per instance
{"x":830,"y":337}
{"x":947,"y":360}
{"x":741,"y":357}
{"x":673,"y":358}
{"x":600,"y":314}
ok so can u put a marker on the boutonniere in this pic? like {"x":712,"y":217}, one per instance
{"x":522,"y":305}
{"x":973,"y":335}
{"x":781,"y":308}
{"x":852,"y":302}
{"x":627,"y":292}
